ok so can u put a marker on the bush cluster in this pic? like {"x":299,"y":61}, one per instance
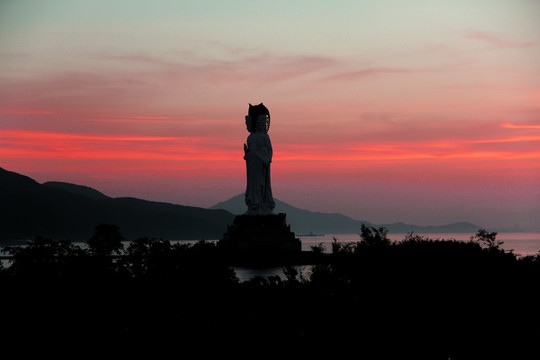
{"x":419,"y":297}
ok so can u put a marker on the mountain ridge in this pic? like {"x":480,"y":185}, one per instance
{"x":77,"y":189}
{"x":69,"y":211}
{"x":309,"y":222}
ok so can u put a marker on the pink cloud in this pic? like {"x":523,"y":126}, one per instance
{"x":22,"y":111}
{"x":260,"y":67}
{"x":144,"y":85}
{"x":357,"y":74}
{"x":496,"y":40}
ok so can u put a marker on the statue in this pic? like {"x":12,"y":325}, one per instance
{"x":259,"y":235}
{"x":258,"y":156}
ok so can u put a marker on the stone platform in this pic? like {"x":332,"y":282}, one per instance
{"x":266,"y":235}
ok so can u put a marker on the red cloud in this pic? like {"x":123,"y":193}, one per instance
{"x":509,"y":125}
{"x":53,"y":145}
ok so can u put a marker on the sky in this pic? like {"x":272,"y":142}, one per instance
{"x":425,"y":112}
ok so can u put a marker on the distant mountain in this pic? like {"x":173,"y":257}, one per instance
{"x":309,"y":222}
{"x":458,"y":227}
{"x":68,"y":211}
{"x":301,"y":221}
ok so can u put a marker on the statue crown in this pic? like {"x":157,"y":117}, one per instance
{"x":255,"y":111}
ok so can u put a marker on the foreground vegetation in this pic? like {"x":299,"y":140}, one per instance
{"x":418,"y":297}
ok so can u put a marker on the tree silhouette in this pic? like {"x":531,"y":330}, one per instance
{"x":372,"y":236}
{"x":416,"y":298}
{"x":106,"y":240}
{"x":150,"y":257}
{"x":43,"y":258}
{"x":487,"y":239}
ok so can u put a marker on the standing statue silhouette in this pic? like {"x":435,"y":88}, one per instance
{"x":258,"y":156}
{"x":259,"y":236}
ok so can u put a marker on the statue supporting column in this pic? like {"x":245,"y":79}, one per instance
{"x":259,"y":232}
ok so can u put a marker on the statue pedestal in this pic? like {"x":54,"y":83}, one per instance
{"x":256,"y":236}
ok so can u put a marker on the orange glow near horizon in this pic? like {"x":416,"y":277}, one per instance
{"x":198,"y":151}
{"x":165,"y":158}
{"x":48,"y":145}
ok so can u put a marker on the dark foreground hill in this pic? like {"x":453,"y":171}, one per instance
{"x":307,"y":222}
{"x":68,"y":211}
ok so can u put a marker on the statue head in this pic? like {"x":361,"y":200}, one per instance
{"x":258,"y":113}
{"x":249,"y":124}
{"x":261,"y":123}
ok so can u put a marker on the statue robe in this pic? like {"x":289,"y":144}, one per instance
{"x":258,"y":157}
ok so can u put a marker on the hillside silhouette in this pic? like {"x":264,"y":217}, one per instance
{"x":68,"y":211}
{"x":77,"y":189}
